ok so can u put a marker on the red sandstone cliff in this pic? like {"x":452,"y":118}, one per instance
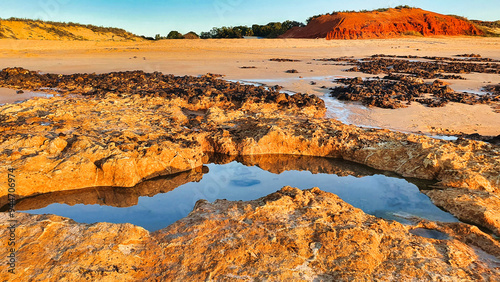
{"x":375,"y":24}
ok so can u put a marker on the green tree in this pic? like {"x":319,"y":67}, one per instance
{"x":205,"y":35}
{"x":271,"y":30}
{"x":174,"y":34}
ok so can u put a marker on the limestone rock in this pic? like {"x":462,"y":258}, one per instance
{"x":119,"y":134}
{"x":126,"y":140}
{"x":288,"y":235}
{"x":477,"y":207}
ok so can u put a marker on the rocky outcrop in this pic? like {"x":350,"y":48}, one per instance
{"x":119,"y":140}
{"x":404,"y":81}
{"x":383,"y":24}
{"x":58,"y":140}
{"x":470,"y":206}
{"x":197,"y":92}
{"x":392,"y":90}
{"x":289,"y":235}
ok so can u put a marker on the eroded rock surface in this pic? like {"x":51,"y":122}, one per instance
{"x":470,"y":206}
{"x":67,"y":143}
{"x":291,"y":234}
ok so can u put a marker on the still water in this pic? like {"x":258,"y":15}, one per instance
{"x":158,"y":203}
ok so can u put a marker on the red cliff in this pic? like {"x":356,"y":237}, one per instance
{"x":383,"y":24}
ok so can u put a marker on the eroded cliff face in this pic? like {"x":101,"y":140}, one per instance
{"x":290,"y":234}
{"x":383,"y":24}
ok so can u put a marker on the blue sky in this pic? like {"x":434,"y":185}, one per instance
{"x":149,"y":17}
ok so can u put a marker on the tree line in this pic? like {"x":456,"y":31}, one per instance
{"x":270,"y":30}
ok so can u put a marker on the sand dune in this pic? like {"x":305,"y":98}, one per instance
{"x":40,"y":30}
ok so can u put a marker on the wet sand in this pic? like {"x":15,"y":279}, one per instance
{"x":196,"y":57}
{"x":11,"y":96}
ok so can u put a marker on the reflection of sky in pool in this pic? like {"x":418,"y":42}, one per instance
{"x":383,"y":196}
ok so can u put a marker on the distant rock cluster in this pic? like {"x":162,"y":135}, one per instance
{"x":193,"y":89}
{"x":405,"y":81}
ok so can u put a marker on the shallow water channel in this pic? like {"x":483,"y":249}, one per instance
{"x":157,"y":203}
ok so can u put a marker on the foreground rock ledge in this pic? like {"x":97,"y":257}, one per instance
{"x":290,"y":234}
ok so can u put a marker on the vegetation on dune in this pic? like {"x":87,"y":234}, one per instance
{"x":490,"y":29}
{"x":359,"y":11}
{"x":191,"y":35}
{"x":228,"y":32}
{"x":58,"y":28}
{"x":494,"y":24}
{"x":174,"y":34}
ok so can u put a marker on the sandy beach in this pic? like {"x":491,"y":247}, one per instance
{"x":227,"y":57}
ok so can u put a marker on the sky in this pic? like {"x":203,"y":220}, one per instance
{"x":150,"y":17}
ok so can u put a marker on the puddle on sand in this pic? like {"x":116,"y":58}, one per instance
{"x":10,"y":96}
{"x":157,"y":203}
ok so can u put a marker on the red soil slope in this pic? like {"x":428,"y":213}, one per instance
{"x":391,"y":23}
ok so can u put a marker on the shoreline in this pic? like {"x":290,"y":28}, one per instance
{"x":198,"y":57}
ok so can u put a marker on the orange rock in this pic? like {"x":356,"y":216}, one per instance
{"x":289,"y":235}
{"x":147,"y":139}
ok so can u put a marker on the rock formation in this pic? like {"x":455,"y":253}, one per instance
{"x":383,"y":24}
{"x":404,"y":81}
{"x":128,"y":196}
{"x":294,"y":235}
{"x":109,"y":139}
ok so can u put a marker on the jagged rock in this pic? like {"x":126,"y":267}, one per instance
{"x":59,"y":144}
{"x":477,"y":207}
{"x":200,"y":92}
{"x":288,"y":235}
{"x":404,"y":81}
{"x":392,"y":90}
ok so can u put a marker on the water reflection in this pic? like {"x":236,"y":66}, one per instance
{"x":156,"y":203}
{"x":429,"y":233}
